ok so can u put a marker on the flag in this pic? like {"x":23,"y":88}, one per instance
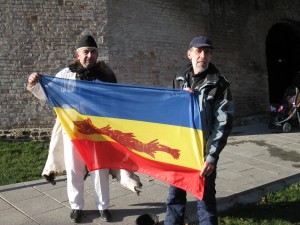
{"x":151,"y":130}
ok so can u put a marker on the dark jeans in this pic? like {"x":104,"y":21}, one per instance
{"x":206,"y":208}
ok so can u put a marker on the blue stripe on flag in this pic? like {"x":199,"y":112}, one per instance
{"x":150,"y":104}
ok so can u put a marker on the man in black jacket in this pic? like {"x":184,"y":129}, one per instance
{"x":203,"y":79}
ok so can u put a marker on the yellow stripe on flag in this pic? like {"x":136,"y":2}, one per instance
{"x":145,"y":132}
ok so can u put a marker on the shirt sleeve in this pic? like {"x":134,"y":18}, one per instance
{"x":38,"y":91}
{"x":222,"y":126}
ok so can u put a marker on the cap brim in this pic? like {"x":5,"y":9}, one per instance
{"x":202,"y":45}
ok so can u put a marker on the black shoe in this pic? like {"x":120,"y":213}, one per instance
{"x":105,"y":215}
{"x":75,"y":215}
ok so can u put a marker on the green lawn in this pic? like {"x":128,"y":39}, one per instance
{"x":21,"y":161}
{"x":276,"y":208}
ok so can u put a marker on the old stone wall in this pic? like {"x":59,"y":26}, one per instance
{"x":145,"y":43}
{"x":41,"y":35}
{"x":21,"y":135}
{"x":149,"y":39}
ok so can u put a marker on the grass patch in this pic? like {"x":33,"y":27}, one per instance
{"x":21,"y":161}
{"x":276,"y":208}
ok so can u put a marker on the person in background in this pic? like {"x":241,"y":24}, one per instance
{"x":86,"y":67}
{"x":203,"y":79}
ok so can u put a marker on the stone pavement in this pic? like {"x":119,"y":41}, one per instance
{"x":255,"y":161}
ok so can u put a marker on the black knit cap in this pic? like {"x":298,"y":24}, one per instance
{"x":87,"y":41}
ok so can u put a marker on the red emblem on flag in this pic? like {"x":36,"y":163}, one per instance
{"x":128,"y":140}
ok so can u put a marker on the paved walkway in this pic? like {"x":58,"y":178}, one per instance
{"x":255,"y":161}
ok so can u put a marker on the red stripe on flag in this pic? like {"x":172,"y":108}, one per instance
{"x":105,"y":154}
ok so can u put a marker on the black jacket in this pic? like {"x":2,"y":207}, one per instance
{"x":215,"y":103}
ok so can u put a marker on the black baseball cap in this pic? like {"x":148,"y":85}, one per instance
{"x":201,"y":41}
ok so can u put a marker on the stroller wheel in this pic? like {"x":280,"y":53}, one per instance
{"x":287,"y":127}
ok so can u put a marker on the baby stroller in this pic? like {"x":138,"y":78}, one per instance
{"x":286,"y":115}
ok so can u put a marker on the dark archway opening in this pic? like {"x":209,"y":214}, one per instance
{"x":283,"y":58}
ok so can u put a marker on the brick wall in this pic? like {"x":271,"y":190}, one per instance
{"x":20,"y":135}
{"x":148,"y":43}
{"x":40,"y":35}
{"x":145,"y":43}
